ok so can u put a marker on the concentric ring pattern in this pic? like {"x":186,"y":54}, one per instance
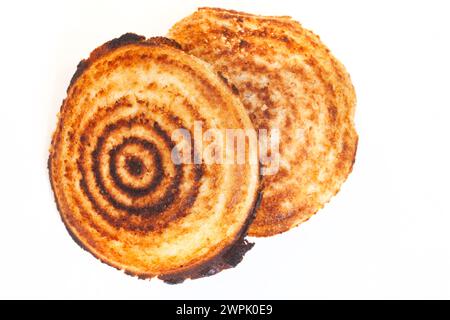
{"x":287,"y":80}
{"x":119,"y":192}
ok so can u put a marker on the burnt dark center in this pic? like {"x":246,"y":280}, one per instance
{"x":134,"y":166}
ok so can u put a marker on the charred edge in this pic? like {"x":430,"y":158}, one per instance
{"x":71,"y":234}
{"x":229,"y":257}
{"x":82,"y":65}
{"x":123,"y":40}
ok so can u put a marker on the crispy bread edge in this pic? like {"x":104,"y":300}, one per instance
{"x":228,"y":257}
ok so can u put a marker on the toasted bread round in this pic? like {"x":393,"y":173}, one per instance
{"x":287,"y":80}
{"x":118,"y":189}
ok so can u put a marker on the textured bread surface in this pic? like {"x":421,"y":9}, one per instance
{"x":287,"y":79}
{"x":118,"y":191}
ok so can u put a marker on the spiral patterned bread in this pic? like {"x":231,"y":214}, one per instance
{"x":119,"y":192}
{"x":287,"y":79}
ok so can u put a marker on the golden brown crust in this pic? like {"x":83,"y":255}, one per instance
{"x":119,"y":193}
{"x":287,"y":79}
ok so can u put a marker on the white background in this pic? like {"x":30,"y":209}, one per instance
{"x":385,"y":235}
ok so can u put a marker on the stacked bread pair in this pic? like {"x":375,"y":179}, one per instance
{"x":137,"y":162}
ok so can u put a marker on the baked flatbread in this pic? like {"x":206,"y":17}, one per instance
{"x":288,"y":80}
{"x":118,"y":190}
